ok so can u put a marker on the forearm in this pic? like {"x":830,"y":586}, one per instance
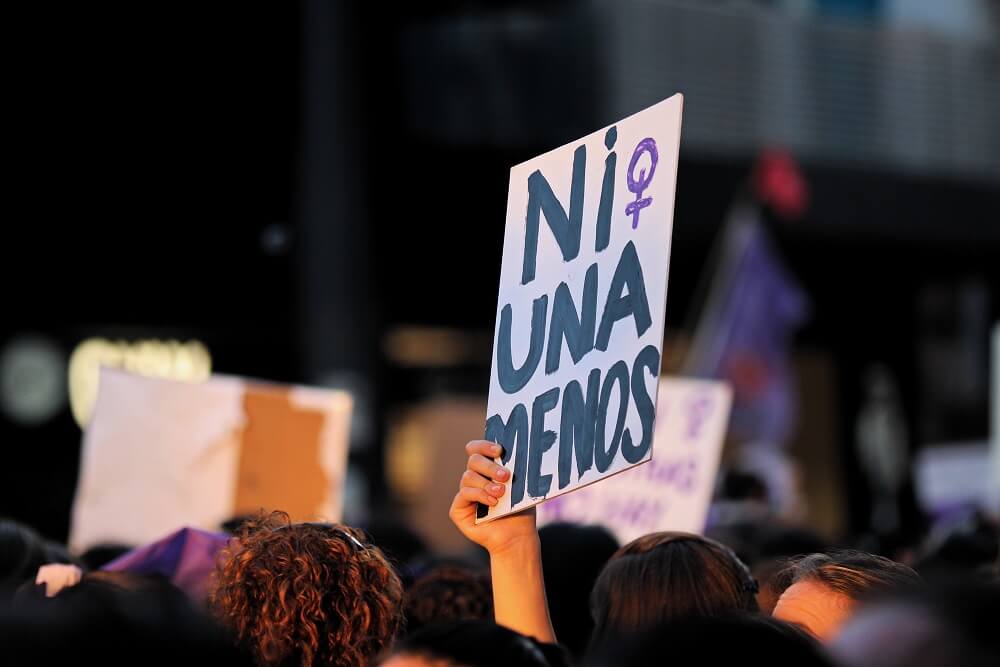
{"x":519,"y":590}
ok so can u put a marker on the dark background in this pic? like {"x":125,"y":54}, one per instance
{"x":266,"y":179}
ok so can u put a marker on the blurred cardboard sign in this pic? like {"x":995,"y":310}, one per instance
{"x":160,"y":454}
{"x":671,"y":492}
{"x":583,"y":290}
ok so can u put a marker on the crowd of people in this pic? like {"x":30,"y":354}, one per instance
{"x":300,"y":594}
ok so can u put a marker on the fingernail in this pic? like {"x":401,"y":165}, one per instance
{"x":501,"y":472}
{"x":496,"y":449}
{"x":496,"y":489}
{"x":492,"y":500}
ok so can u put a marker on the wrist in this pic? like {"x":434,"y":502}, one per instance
{"x":517,"y":548}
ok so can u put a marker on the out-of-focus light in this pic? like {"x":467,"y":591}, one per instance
{"x":32,"y":380}
{"x":275,"y":239}
{"x":408,"y":461}
{"x":436,"y":347}
{"x":170,"y":359}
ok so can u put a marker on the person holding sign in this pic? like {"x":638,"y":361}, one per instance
{"x":512,"y":542}
{"x":658,"y":577}
{"x":577,"y":348}
{"x":581,"y":307}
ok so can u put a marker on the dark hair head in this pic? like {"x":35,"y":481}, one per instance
{"x":398,"y":541}
{"x":666,"y":576}
{"x":572,"y":558}
{"x":857,"y":575}
{"x":448,"y":593}
{"x":770,"y":583}
{"x":100,"y":555}
{"x":475,"y":643}
{"x":969,"y":544}
{"x":22,"y":552}
{"x":114,"y":621}
{"x":945,"y":624}
{"x":721,"y":640}
{"x":307,"y":593}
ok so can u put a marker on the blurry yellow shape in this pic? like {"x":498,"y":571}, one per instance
{"x":407,"y":465}
{"x":189,"y":362}
{"x":436,"y":347}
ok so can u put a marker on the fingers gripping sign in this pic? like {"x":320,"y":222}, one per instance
{"x":485,"y":483}
{"x":511,"y":540}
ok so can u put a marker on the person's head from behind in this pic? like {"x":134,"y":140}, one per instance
{"x":397,"y":539}
{"x":821,"y":591}
{"x":307,"y":594}
{"x":952,"y":624}
{"x":967,"y":544}
{"x":471,"y":643}
{"x":22,"y":552}
{"x":572,"y":558}
{"x":114,"y":618}
{"x":666,"y":576}
{"x":448,"y":593}
{"x":718,"y":640}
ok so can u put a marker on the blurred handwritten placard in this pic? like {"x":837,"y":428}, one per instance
{"x":162,"y":454}
{"x":671,"y":492}
{"x":583,"y":292}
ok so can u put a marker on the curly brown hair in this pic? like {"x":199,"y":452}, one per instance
{"x":307,"y":594}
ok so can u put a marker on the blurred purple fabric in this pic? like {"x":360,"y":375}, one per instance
{"x":186,"y":557}
{"x":743,"y":335}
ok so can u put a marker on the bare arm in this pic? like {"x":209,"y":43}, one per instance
{"x":512,"y":542}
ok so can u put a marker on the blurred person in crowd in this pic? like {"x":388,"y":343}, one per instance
{"x":472,"y":643}
{"x":970,"y":544}
{"x":307,"y":594}
{"x":448,"y":593}
{"x":720,"y":640}
{"x":757,"y":541}
{"x":22,"y":552}
{"x":669,"y":575}
{"x":100,"y":555}
{"x":820,"y":592}
{"x":572,"y":558}
{"x":766,"y":548}
{"x":113,"y":619}
{"x":772,"y":547}
{"x":657,"y":577}
{"x":58,"y":553}
{"x":954,"y":625}
{"x":741,"y":500}
{"x":398,"y":541}
{"x":54,"y":577}
{"x":768,"y":576}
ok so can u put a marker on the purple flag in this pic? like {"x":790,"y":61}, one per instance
{"x":186,"y":557}
{"x":743,"y":334}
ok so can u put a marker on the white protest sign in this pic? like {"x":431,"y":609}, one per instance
{"x":161,"y":454}
{"x":671,"y":492}
{"x":583,"y":290}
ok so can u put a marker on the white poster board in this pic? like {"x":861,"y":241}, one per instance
{"x":159,"y":455}
{"x":674,"y":490}
{"x":583,"y":290}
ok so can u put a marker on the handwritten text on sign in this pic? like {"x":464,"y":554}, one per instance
{"x":671,"y":492}
{"x":583,"y":290}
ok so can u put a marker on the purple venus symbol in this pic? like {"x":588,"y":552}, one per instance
{"x":637,"y":185}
